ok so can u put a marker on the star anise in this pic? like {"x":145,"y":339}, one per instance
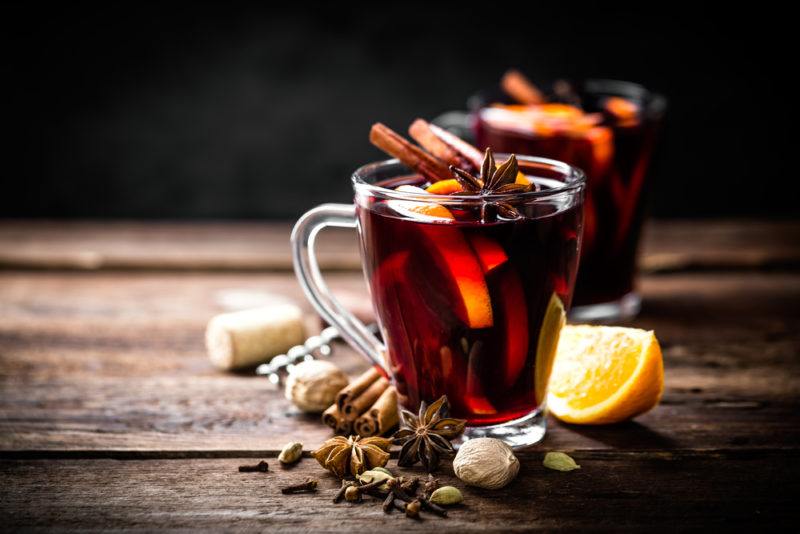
{"x":492,"y":181}
{"x":354,"y":455}
{"x":426,"y":437}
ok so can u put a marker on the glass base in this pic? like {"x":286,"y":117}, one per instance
{"x":518,"y":433}
{"x":623,"y":309}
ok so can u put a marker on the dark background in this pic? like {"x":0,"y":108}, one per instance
{"x":247,"y":111}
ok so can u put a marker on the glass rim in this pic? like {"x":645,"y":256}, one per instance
{"x":654,"y":104}
{"x":574,"y":180}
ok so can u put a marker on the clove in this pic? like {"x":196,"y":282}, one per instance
{"x":388,"y":503}
{"x":401,"y":494}
{"x":260,"y":467}
{"x":340,"y":494}
{"x":409,"y":485}
{"x":412,"y":509}
{"x":309,"y":486}
{"x":431,"y":485}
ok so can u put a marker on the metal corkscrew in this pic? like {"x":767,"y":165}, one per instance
{"x":314,"y":346}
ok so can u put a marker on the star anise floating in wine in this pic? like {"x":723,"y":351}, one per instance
{"x":426,"y":437}
{"x":494,"y":180}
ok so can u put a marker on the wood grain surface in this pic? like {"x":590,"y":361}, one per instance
{"x":667,"y":245}
{"x":111,"y":415}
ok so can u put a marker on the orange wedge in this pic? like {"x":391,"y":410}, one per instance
{"x":605,"y":374}
{"x":444,"y":187}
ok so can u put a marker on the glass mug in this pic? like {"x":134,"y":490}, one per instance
{"x":468,"y":306}
{"x":615,"y":156}
{"x":616,"y":162}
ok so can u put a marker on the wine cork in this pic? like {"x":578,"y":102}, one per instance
{"x":250,"y":337}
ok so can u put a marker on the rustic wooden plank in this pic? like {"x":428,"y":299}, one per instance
{"x":115,"y":361}
{"x":242,"y":246}
{"x":611,"y":491}
{"x":668,"y":245}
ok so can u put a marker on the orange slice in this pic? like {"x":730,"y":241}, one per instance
{"x":490,"y":253}
{"x":605,"y":374}
{"x":455,"y":258}
{"x":420,"y":211}
{"x":515,"y":317}
{"x":559,"y":110}
{"x":453,"y":255}
{"x":549,"y":333}
{"x":622,"y":108}
{"x":444,"y":187}
{"x":601,"y":140}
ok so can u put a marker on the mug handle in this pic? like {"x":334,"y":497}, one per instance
{"x":308,"y":274}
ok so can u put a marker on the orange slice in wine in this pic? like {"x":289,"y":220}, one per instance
{"x":420,"y":211}
{"x":624,"y":110}
{"x":455,"y":258}
{"x":555,"y":318}
{"x":490,"y":253}
{"x":515,"y":317}
{"x":444,"y":187}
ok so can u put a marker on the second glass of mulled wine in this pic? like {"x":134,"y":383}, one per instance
{"x":608,"y":129}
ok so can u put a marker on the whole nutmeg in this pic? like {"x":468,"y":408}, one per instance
{"x":486,"y":463}
{"x":312,"y":385}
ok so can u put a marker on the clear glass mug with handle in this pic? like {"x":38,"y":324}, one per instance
{"x":469,"y":295}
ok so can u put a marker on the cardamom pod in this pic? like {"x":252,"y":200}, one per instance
{"x":375,"y":475}
{"x":291,"y":452}
{"x":382,"y":470}
{"x":559,"y":461}
{"x":446,"y":495}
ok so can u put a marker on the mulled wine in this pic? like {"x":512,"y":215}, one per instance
{"x":607,"y":129}
{"x":467,"y":304}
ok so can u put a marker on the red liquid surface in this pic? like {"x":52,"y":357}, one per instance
{"x":461,"y":304}
{"x":614,"y":207}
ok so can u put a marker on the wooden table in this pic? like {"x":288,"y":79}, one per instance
{"x":112,"y":417}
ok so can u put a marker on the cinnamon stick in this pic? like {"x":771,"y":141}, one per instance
{"x":409,"y":154}
{"x":521,"y":88}
{"x":331,"y":417}
{"x":469,"y":152}
{"x":361,"y":404}
{"x":344,"y":427}
{"x":420,"y":131}
{"x":380,"y":417}
{"x":356,"y":387}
